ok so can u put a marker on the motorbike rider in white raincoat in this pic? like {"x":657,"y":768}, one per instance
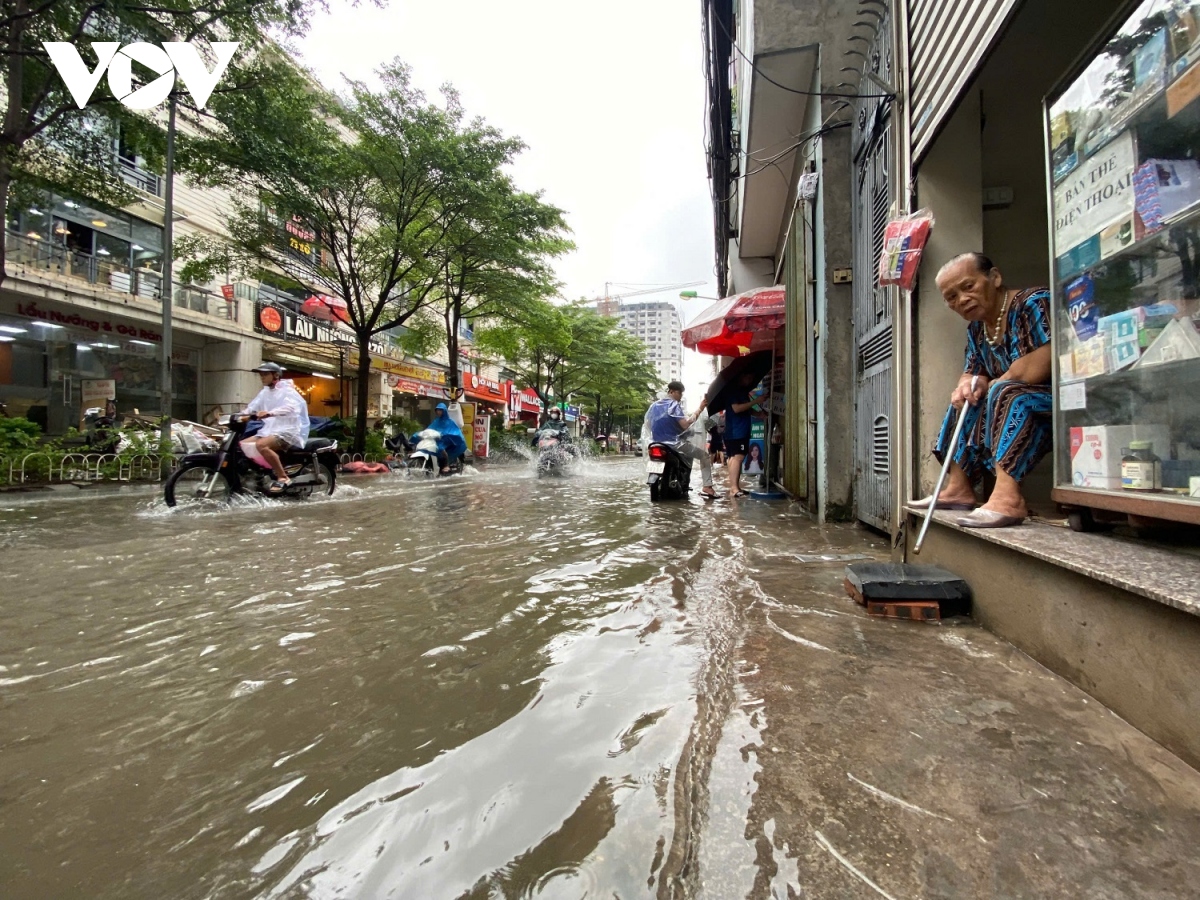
{"x":284,"y":415}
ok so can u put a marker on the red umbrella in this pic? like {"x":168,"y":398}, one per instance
{"x":738,"y":324}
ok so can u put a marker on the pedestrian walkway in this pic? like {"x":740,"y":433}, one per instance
{"x":900,"y":759}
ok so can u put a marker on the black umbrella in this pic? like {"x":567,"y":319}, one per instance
{"x":757,"y":364}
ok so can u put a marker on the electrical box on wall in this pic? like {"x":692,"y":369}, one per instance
{"x":996,"y":197}
{"x":843,"y":275}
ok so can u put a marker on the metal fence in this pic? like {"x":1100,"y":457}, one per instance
{"x":135,"y":175}
{"x":34,"y":253}
{"x":200,"y":300}
{"x":45,"y":467}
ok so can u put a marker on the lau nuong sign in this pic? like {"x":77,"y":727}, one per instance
{"x":286,"y":325}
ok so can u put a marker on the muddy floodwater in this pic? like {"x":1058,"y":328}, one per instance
{"x":500,"y":686}
{"x":485,"y":686}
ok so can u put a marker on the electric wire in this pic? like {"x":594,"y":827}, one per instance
{"x":792,"y":90}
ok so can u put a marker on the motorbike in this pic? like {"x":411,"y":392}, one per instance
{"x":399,"y":447}
{"x":554,"y":454}
{"x":216,"y":477}
{"x":101,"y":432}
{"x":424,"y":458}
{"x":668,"y":472}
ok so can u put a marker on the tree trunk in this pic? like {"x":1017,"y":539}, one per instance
{"x":364,"y":377}
{"x":5,"y":183}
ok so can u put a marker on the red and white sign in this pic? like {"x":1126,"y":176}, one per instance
{"x":417,"y":388}
{"x":483,"y":426}
{"x":227,"y":292}
{"x":485,"y":388}
{"x":526,"y":401}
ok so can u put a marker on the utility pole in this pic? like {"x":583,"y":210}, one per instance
{"x":168,"y":288}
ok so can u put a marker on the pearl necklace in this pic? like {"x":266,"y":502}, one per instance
{"x":987,"y":332}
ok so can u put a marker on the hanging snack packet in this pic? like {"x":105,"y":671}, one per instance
{"x":903,"y":242}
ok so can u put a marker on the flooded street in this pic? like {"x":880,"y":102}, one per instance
{"x":413,"y":689}
{"x":499,"y":686}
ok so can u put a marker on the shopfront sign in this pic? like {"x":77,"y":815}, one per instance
{"x":485,"y":388}
{"x":410,"y":371}
{"x":1096,"y":195}
{"x":416,"y":388}
{"x":483,"y":434}
{"x":83,"y":321}
{"x":279,"y":322}
{"x":525,"y":401}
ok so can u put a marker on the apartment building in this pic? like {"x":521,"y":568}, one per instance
{"x":656,"y":325}
{"x":81,"y":316}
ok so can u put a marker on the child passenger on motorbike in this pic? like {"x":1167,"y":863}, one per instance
{"x":284,"y":415}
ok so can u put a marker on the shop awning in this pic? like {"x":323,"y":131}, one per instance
{"x":303,"y":356}
{"x":738,"y":324}
{"x":776,"y":116}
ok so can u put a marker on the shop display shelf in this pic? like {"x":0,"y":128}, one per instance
{"x":1082,"y":505}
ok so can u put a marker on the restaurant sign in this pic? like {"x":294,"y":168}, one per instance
{"x":485,"y":388}
{"x":278,"y":322}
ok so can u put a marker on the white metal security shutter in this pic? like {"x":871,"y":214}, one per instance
{"x":947,"y":41}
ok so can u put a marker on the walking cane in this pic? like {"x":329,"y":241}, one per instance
{"x":937,"y":490}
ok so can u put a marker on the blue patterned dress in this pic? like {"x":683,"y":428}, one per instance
{"x":1012,"y":428}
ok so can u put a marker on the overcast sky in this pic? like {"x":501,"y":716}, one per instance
{"x":608,"y":96}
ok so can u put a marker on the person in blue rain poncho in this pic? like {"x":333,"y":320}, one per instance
{"x":451,"y":444}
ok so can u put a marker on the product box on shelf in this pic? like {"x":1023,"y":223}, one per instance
{"x":1091,"y":357}
{"x":1164,"y":188}
{"x":1096,"y":451}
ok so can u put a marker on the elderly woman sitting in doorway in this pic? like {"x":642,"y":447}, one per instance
{"x":1004,"y":392}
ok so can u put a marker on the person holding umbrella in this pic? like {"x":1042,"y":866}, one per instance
{"x":737,"y":429}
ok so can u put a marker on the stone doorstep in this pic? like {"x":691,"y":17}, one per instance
{"x":1157,"y":573}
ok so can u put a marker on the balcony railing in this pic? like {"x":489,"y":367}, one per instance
{"x":199,"y":300}
{"x":34,"y":253}
{"x":135,"y":175}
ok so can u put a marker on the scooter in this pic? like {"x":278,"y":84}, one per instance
{"x":668,"y":472}
{"x":424,"y":459}
{"x":398,"y":448}
{"x":554,"y":454}
{"x":216,"y":477}
{"x":102,"y":434}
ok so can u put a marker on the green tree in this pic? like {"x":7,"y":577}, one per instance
{"x":625,"y":388}
{"x":356,"y":202}
{"x":495,"y":257}
{"x":569,"y":351}
{"x":47,"y":142}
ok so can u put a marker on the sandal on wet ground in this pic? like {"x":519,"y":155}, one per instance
{"x":742,"y":494}
{"x":278,"y":487}
{"x":709,"y":494}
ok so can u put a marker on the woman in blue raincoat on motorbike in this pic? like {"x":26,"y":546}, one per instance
{"x":451,"y":444}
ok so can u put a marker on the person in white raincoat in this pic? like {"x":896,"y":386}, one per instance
{"x":284,"y":415}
